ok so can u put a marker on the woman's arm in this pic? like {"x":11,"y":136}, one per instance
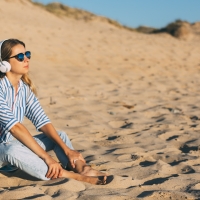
{"x":73,"y":155}
{"x":23,"y":135}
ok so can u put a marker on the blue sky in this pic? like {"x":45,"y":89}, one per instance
{"x":133,"y":13}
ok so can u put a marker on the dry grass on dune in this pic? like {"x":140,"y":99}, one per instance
{"x":179,"y":29}
{"x":79,"y":14}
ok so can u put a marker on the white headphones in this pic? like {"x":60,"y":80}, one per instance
{"x":4,"y":65}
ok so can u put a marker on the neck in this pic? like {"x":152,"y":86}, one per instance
{"x":14,"y":79}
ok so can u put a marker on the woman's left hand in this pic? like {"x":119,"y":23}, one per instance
{"x":74,"y":156}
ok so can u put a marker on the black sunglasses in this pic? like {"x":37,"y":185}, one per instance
{"x":20,"y":56}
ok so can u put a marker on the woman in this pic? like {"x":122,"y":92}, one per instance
{"x":17,"y":146}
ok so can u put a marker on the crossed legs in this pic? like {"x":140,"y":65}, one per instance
{"x":19,"y":155}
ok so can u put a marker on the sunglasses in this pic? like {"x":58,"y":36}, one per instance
{"x":20,"y":56}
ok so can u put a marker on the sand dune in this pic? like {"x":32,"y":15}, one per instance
{"x":129,"y":102}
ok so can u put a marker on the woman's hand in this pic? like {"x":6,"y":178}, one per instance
{"x":74,"y":156}
{"x":54,"y":168}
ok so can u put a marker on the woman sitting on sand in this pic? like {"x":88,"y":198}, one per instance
{"x":17,"y":146}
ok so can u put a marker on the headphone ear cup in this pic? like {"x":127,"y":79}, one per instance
{"x":5,"y":66}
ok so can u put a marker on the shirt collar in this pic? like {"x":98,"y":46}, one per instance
{"x":8,"y":83}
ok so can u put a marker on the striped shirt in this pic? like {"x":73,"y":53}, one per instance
{"x":13,"y":108}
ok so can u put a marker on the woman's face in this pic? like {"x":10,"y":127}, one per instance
{"x":17,"y":67}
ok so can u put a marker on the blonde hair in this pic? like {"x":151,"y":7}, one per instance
{"x":26,"y":79}
{"x":6,"y":51}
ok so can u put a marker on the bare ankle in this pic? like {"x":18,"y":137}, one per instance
{"x":85,"y":170}
{"x":101,"y":180}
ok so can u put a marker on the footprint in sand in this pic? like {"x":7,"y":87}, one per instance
{"x":120,"y":124}
{"x":125,"y":157}
{"x":52,"y":186}
{"x":186,"y":148}
{"x":122,"y":182}
{"x":196,"y":187}
{"x":146,"y":163}
{"x":164,"y":195}
{"x":116,"y":124}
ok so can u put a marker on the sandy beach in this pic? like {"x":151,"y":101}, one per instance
{"x":129,"y":102}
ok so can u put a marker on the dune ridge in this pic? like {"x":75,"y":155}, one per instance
{"x":179,"y":29}
{"x":128,"y":100}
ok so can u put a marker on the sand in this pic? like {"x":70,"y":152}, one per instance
{"x":128,"y":101}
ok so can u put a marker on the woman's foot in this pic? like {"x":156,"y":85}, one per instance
{"x":96,"y":180}
{"x":99,"y":180}
{"x":85,"y":173}
{"x":88,"y":171}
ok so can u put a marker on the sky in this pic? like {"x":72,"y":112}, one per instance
{"x":135,"y":13}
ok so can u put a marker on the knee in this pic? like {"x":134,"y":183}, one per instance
{"x":65,"y":139}
{"x":10,"y":150}
{"x":62,"y":135}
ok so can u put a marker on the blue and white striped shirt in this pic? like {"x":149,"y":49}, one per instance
{"x":13,"y":108}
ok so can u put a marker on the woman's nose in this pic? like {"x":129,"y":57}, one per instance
{"x":26,"y":59}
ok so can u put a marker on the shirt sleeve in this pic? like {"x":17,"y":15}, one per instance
{"x":34,"y":112}
{"x":7,"y":118}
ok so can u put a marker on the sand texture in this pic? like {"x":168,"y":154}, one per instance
{"x":129,"y":102}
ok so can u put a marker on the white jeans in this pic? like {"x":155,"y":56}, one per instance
{"x":22,"y":157}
